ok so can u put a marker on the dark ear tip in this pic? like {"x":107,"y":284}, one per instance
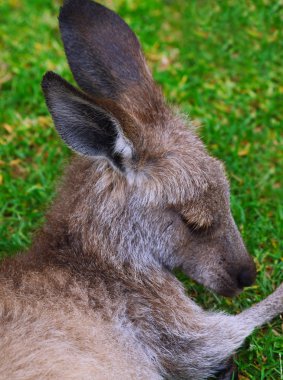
{"x":50,"y":78}
{"x":47,"y":78}
{"x":73,"y":6}
{"x":52,"y":82}
{"x":71,"y":3}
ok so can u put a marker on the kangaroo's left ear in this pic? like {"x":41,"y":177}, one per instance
{"x":106,"y":59}
{"x":87,"y":129}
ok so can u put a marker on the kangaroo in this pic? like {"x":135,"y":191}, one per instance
{"x":95,"y":296}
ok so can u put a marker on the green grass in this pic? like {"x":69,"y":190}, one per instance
{"x":221,"y":61}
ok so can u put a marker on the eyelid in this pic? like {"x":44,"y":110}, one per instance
{"x":194,"y":227}
{"x":197,"y":228}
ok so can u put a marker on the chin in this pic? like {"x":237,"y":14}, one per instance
{"x":226,"y":291}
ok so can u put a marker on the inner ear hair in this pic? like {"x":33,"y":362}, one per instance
{"x":86,"y":128}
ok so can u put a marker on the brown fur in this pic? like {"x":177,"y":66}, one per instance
{"x":95,"y":298}
{"x":62,"y":337}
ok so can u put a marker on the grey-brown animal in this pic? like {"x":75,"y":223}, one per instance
{"x":95,"y":297}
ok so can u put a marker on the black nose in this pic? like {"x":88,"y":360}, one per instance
{"x":246,"y":277}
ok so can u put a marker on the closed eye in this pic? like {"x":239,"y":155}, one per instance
{"x":196,"y":228}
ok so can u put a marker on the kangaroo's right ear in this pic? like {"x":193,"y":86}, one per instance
{"x":105,"y":56}
{"x":84,"y":127}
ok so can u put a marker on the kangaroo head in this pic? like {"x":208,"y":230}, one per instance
{"x":151,"y":194}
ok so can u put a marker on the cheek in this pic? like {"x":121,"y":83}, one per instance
{"x":197,"y":259}
{"x":174,"y":238}
{"x":193,"y":258}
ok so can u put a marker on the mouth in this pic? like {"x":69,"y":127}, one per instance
{"x":227,"y":292}
{"x":225,"y":287}
{"x":221,"y":284}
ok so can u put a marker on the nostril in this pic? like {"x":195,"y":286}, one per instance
{"x":246,"y":278}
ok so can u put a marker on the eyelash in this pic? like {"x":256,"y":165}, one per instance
{"x":195,"y":228}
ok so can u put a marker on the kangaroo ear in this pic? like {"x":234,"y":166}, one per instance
{"x":105,"y":56}
{"x":84,"y":127}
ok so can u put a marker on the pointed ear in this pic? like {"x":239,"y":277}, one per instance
{"x":105,"y":55}
{"x":84,"y":127}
